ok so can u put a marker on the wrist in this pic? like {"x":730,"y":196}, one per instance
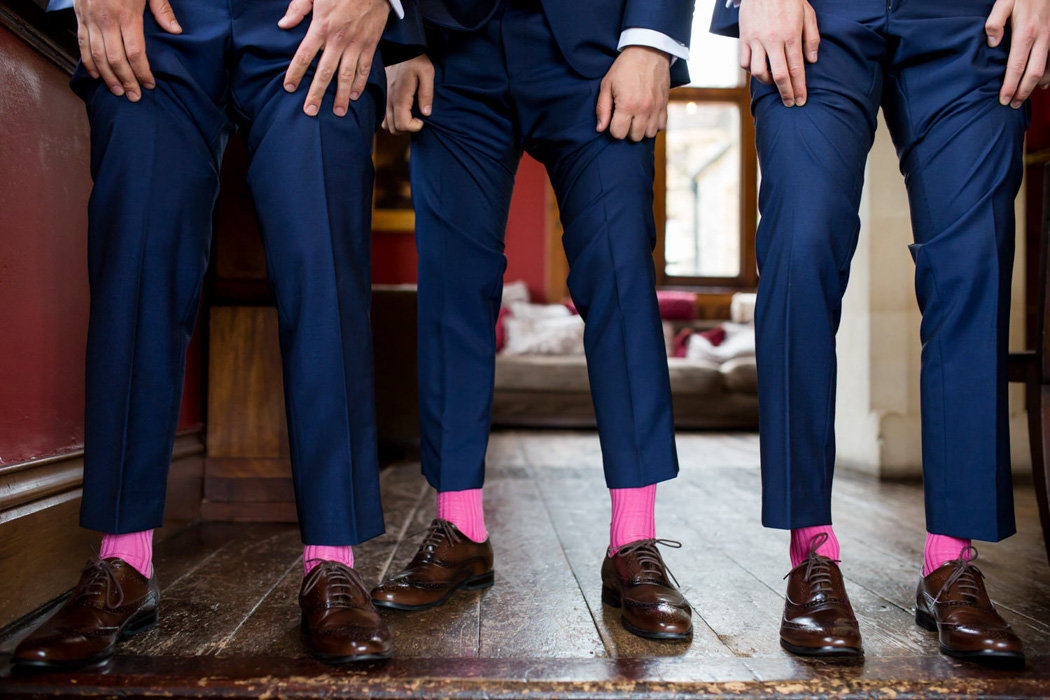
{"x":651,"y":53}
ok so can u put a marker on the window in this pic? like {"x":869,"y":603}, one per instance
{"x":706,"y":200}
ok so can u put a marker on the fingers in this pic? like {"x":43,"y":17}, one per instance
{"x":345,"y":81}
{"x":135,"y":49}
{"x":165,"y":16}
{"x":296,"y":13}
{"x":810,"y":34}
{"x":744,"y":56}
{"x":364,"y":68}
{"x":781,"y":76}
{"x":118,"y":62}
{"x":604,"y":108}
{"x":1020,"y":48}
{"x":620,"y":125}
{"x":301,"y":61}
{"x":759,"y":65}
{"x":639,"y":128}
{"x":1034,"y":74}
{"x":84,"y":42}
{"x":326,"y":68}
{"x":995,"y":26}
{"x":796,"y":66}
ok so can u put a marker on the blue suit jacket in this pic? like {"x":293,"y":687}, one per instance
{"x":587,"y":31}
{"x":726,"y":20}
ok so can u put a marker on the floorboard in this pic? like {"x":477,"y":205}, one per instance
{"x":229,"y":625}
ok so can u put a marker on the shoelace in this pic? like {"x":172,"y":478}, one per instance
{"x":101,"y":581}
{"x":965,"y":574}
{"x":818,"y":568}
{"x":439,"y":532}
{"x":342,"y":581}
{"x":651,"y":565}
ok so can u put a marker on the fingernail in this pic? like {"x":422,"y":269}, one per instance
{"x":340,"y":111}
{"x":1015,"y":104}
{"x":1004,"y":100}
{"x":178,"y":27}
{"x":118,"y":91}
{"x":789,"y":103}
{"x":813,"y":57}
{"x":802,"y":102}
{"x":149,"y":86}
{"x":354,"y":95}
{"x":133,"y":96}
{"x":289,"y":87}
{"x":426,"y":109}
{"x":311,"y":110}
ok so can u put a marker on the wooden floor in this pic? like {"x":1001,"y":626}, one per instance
{"x":229,"y":623}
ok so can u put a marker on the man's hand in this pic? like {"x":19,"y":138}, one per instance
{"x":774,"y":35}
{"x":632,"y":102}
{"x":347,"y":33}
{"x":113,"y":43}
{"x":1029,"y":43}
{"x":407,"y":82}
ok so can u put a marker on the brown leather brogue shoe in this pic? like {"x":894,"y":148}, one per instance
{"x":818,"y":618}
{"x":111,"y":601}
{"x":636,"y":580}
{"x":953,"y":602}
{"x":339,"y":623}
{"x":447,"y":560}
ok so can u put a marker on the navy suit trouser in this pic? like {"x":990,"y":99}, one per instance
{"x":155,"y":166}
{"x":500,"y":91}
{"x":928,"y":66}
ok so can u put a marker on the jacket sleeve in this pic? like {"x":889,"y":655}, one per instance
{"x":671,"y":17}
{"x":403,"y":39}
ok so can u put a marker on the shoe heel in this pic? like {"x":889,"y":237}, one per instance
{"x":139,"y":624}
{"x":481,"y":581}
{"x":925,"y":620}
{"x":611,"y":597}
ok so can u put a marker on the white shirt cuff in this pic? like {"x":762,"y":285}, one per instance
{"x":729,"y":3}
{"x":639,"y":36}
{"x":395,"y":5}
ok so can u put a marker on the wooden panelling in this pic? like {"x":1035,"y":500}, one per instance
{"x":245,"y":395}
{"x":248,"y":474}
{"x":42,"y":547}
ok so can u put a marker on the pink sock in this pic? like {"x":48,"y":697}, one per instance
{"x":464,"y":510}
{"x":633,"y":516}
{"x":939,"y":549}
{"x":314,"y":554}
{"x":135,"y":548}
{"x":802,"y":542}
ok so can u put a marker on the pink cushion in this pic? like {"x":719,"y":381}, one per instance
{"x":501,"y":329}
{"x":677,"y":306}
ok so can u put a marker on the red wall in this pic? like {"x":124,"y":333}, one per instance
{"x":394,"y":254}
{"x":44,"y":186}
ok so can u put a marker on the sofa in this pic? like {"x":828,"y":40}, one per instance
{"x":552,"y":390}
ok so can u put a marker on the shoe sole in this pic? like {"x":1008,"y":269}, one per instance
{"x":474,"y":583}
{"x":133,"y":626}
{"x":1003,"y":659}
{"x":825,"y":652}
{"x":344,"y":660}
{"x":612,"y":599}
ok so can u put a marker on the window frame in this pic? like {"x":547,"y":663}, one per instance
{"x":747,"y":279}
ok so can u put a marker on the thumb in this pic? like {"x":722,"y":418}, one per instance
{"x":297,"y":11}
{"x":605,"y":107}
{"x":995,"y":27}
{"x":425,"y":96}
{"x":164,"y":15}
